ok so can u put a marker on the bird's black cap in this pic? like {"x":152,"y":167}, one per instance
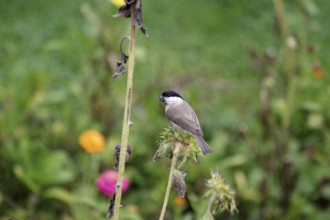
{"x":171,"y":94}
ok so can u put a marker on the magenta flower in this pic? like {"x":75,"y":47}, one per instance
{"x":107,"y":181}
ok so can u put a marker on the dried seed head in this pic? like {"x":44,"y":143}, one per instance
{"x":188,"y":147}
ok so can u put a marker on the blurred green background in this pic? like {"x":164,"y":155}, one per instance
{"x":256,"y":73}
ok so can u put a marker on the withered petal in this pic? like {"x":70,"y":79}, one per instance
{"x":124,"y":11}
{"x":138,"y":19}
{"x":144,"y":31}
{"x":157,"y":155}
{"x":111,"y":206}
{"x":138,"y":4}
{"x":124,"y":57}
{"x":117,"y":155}
{"x":120,"y":70}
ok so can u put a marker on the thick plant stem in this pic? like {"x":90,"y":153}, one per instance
{"x":127,"y":116}
{"x":169,"y":183}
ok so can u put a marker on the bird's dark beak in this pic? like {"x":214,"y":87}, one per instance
{"x":161,"y":99}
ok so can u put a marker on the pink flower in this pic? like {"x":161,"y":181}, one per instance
{"x":107,"y":181}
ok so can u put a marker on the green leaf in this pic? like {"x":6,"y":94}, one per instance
{"x":56,"y":168}
{"x":37,"y":167}
{"x":233,"y":161}
{"x":207,"y":216}
{"x":60,"y":194}
{"x":26,"y":178}
{"x":326,"y":191}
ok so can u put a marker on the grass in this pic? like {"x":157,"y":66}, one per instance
{"x":55,"y":83}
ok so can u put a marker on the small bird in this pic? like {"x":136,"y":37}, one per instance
{"x":181,"y":114}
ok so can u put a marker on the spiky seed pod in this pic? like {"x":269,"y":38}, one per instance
{"x":221,"y":196}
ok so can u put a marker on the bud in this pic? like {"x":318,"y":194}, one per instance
{"x":179,"y":183}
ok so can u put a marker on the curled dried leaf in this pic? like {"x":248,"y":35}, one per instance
{"x":117,"y":155}
{"x":111,"y":206}
{"x":124,"y":57}
{"x":120,"y":69}
{"x":120,"y":66}
{"x":144,"y":31}
{"x":138,"y":18}
{"x":125,"y":12}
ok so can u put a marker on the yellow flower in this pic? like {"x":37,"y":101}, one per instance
{"x":118,"y":3}
{"x":317,"y":70}
{"x":179,"y":201}
{"x":318,"y":74}
{"x":92,"y":141}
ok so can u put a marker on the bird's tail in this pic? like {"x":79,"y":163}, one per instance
{"x":204,"y":146}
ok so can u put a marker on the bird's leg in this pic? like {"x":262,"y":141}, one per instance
{"x":172,"y":127}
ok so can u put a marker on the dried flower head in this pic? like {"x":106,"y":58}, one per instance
{"x":125,"y":12}
{"x":92,"y":141}
{"x":188,"y":147}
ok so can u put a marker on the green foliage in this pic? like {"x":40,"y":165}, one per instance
{"x":38,"y":168}
{"x":269,"y":129}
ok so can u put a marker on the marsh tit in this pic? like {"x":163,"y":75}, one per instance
{"x":181,"y":114}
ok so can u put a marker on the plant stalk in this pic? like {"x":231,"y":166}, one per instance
{"x":170,"y":181}
{"x":127,"y":116}
{"x":209,"y":205}
{"x":285,"y":32}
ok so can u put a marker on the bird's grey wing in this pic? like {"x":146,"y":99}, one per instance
{"x":188,"y":122}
